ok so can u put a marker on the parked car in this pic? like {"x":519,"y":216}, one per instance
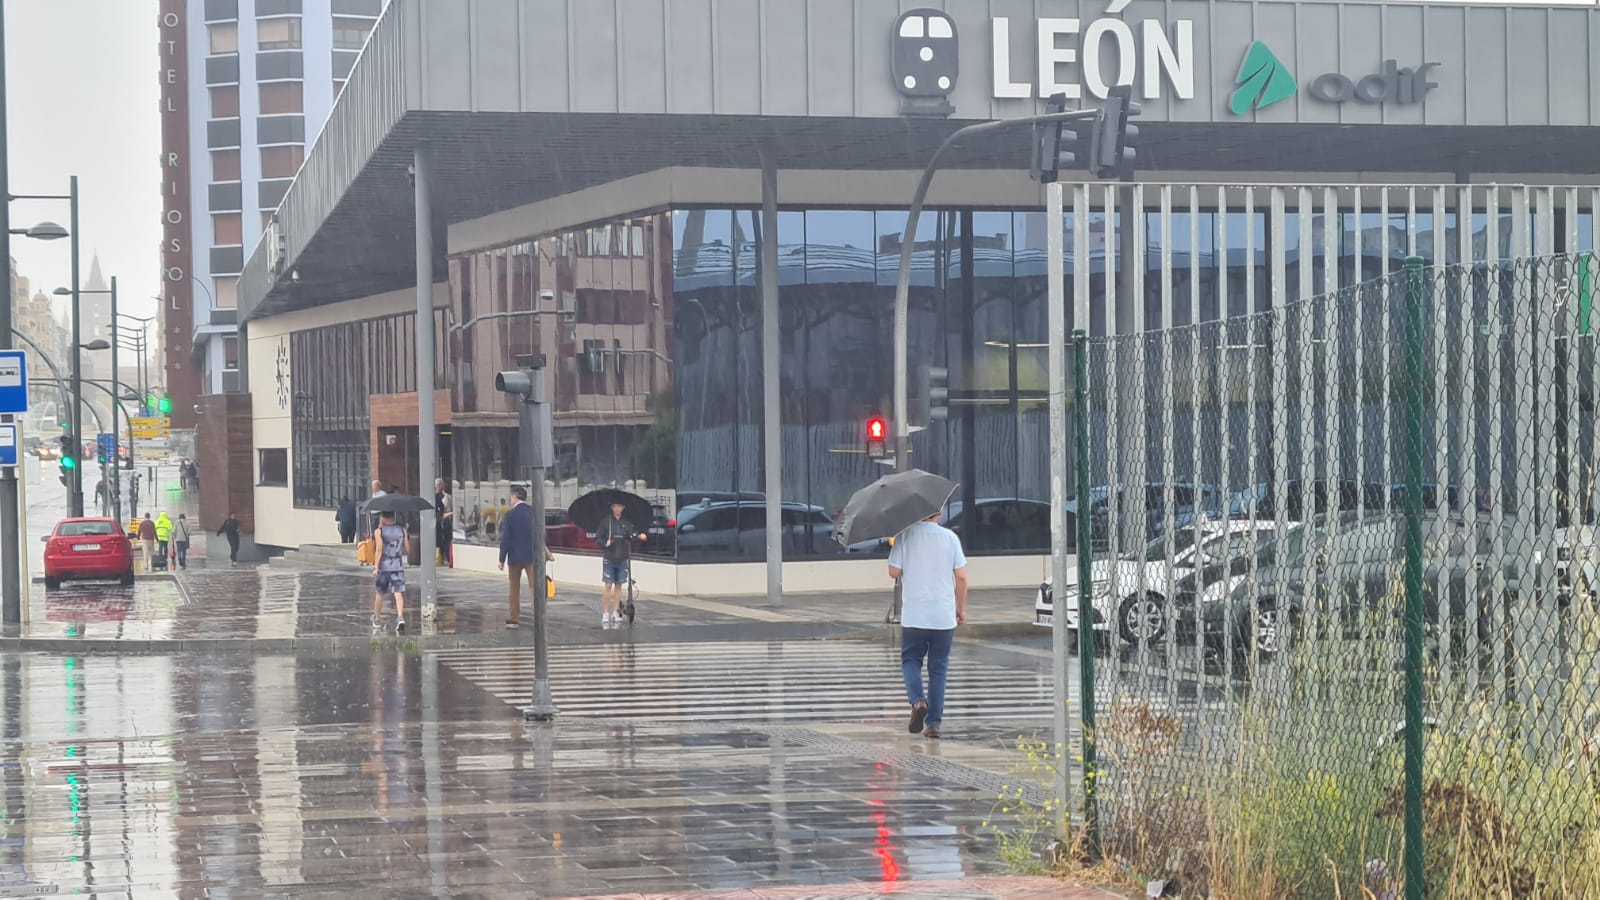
{"x":1140,"y":608}
{"x":663,"y":532}
{"x":87,"y":548}
{"x":738,"y":529}
{"x":1190,"y":502}
{"x":561,"y":533}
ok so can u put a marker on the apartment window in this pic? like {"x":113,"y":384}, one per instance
{"x":282,"y":97}
{"x":224,"y":165}
{"x":226,"y":291}
{"x":282,"y":162}
{"x":224,"y":38}
{"x":225,"y":102}
{"x":278,"y":34}
{"x":274,"y":466}
{"x":227,"y":230}
{"x":350,"y":34}
{"x":230,"y":354}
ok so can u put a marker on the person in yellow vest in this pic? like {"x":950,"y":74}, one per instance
{"x":163,"y":534}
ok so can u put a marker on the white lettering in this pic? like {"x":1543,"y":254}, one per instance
{"x":175,"y":246}
{"x":172,"y":47}
{"x":1004,"y":87}
{"x":170,"y":20}
{"x":1051,"y":56}
{"x":172,"y":158}
{"x":1165,"y":62}
{"x":1093,"y":38}
{"x":172,"y":76}
{"x":170,"y":107}
{"x":174,"y":217}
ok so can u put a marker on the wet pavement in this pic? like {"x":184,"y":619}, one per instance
{"x":381,"y":771}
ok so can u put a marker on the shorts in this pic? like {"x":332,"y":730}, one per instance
{"x":390,"y":582}
{"x":612,"y":571}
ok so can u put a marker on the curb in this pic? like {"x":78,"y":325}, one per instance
{"x":251,"y":645}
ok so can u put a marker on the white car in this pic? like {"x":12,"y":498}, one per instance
{"x":1140,"y":608}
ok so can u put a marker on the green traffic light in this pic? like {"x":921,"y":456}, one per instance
{"x":165,"y":406}
{"x":68,"y":462}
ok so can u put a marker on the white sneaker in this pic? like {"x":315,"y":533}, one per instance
{"x":605,"y":620}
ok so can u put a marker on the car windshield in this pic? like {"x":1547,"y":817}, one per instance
{"x":1156,"y":550}
{"x":84,"y":529}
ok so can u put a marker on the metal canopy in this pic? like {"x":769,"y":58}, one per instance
{"x":488,"y":162}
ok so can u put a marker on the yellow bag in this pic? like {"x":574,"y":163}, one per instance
{"x":549,"y":588}
{"x":366,"y":552}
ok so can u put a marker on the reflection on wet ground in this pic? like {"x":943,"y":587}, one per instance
{"x":197,"y":774}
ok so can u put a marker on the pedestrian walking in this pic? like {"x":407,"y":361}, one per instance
{"x":180,"y":540}
{"x":445,"y":522}
{"x":932,"y":570}
{"x":163,"y":536}
{"x":345,"y":519}
{"x":147,"y":542}
{"x":615,"y":537}
{"x":516,"y":551}
{"x":394,"y":544}
{"x":230,"y":530}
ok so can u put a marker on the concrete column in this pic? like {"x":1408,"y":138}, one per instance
{"x":427,"y":434}
{"x":771,"y":370}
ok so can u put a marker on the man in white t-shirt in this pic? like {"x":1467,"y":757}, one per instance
{"x":933,"y":587}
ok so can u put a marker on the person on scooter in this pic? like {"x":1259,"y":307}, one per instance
{"x":615,"y":538}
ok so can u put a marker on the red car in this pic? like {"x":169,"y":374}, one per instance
{"x":90,"y":547}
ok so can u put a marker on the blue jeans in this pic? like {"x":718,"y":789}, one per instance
{"x":934,"y":645}
{"x":612,"y":571}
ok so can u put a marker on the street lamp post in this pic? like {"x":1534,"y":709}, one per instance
{"x":75,"y":480}
{"x":116,"y":465}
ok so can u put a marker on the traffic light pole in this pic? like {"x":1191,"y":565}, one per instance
{"x":536,"y":450}
{"x":114,"y":483}
{"x":908,"y":243}
{"x":10,"y":512}
{"x":75,"y":477}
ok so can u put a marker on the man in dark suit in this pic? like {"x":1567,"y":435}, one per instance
{"x":516,"y":549}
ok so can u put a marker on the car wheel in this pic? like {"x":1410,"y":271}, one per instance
{"x":1267,"y":631}
{"x":1142,"y":618}
{"x":127,"y":578}
{"x":51,"y":584}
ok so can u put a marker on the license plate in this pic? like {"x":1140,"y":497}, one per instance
{"x":86,"y":546}
{"x":658,"y":531}
{"x":1044,"y":619}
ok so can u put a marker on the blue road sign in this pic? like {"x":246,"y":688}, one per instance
{"x":8,"y":445}
{"x":13,"y":382}
{"x":106,"y":442}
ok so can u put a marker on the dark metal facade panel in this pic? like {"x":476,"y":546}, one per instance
{"x":224,"y":197}
{"x":280,"y":64}
{"x":222,"y":10}
{"x":222,"y":69}
{"x":280,"y":130}
{"x":222,"y":133}
{"x":270,"y":193}
{"x":226,"y":260}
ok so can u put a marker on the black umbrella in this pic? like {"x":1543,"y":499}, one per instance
{"x":397,"y":503}
{"x":588,"y":511}
{"x":890,"y":505}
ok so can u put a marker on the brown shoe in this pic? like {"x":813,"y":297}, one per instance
{"x":919,"y":711}
{"x":932,"y":732}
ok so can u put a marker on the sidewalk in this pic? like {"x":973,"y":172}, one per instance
{"x":282,"y":608}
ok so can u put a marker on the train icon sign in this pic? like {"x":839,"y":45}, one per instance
{"x":13,"y":382}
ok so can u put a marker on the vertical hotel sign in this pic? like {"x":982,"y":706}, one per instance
{"x":177,"y":313}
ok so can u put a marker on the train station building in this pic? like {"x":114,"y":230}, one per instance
{"x":591,"y":176}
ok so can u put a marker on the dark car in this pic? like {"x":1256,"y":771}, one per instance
{"x":996,"y":525}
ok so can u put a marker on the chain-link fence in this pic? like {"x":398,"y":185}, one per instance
{"x":1389,"y":540}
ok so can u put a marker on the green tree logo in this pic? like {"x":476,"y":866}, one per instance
{"x":1262,"y":81}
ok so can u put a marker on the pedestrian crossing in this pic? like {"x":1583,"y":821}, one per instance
{"x":746,"y":683}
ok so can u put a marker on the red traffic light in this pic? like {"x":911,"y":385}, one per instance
{"x":876,"y":429}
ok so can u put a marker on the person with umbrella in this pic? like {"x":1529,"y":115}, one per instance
{"x":394,"y":545}
{"x":928,"y":562}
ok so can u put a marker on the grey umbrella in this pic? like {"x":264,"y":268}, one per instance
{"x":892,"y":504}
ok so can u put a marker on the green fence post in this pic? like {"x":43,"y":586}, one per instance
{"x":1080,"y":426}
{"x":1412,"y":399}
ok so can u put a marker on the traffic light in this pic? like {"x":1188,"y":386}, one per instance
{"x":1052,"y":144}
{"x":937,"y":393}
{"x":1110,"y":152}
{"x":69,"y":457}
{"x":877,"y":438}
{"x":164,"y":406}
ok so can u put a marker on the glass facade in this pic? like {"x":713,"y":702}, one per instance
{"x":650,"y":326}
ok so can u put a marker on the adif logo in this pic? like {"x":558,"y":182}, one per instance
{"x":1262,"y":81}
{"x":924,"y":62}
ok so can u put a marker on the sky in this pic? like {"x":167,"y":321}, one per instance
{"x":83,"y":100}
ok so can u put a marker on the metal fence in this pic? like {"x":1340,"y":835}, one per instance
{"x":1373,"y":664}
